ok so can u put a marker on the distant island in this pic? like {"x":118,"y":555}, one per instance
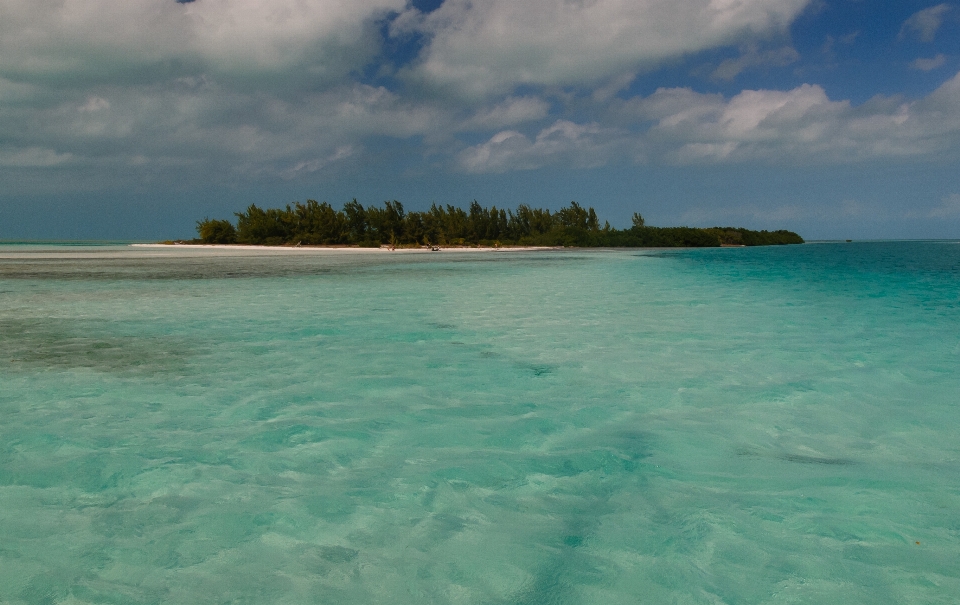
{"x":318,"y":224}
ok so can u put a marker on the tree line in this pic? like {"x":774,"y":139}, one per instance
{"x":318,"y":223}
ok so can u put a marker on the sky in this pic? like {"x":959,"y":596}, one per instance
{"x":132,"y":120}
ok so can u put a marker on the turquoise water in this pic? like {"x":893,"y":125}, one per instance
{"x":769,"y":425}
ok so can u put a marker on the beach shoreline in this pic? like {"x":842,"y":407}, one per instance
{"x":331,"y":249}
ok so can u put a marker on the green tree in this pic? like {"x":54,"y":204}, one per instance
{"x":356,"y":221}
{"x":214,"y":231}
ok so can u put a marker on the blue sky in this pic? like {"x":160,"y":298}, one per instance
{"x":834,"y":118}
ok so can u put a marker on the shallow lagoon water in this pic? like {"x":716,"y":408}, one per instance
{"x":766,"y":425}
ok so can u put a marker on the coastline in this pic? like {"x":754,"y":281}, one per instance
{"x":332,"y":249}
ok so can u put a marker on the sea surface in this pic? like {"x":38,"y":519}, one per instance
{"x":717,"y":426}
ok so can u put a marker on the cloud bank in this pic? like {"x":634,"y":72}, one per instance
{"x":680,"y":126}
{"x":229,"y":91}
{"x":484,"y":48}
{"x":64,"y":42}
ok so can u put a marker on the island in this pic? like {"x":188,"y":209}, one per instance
{"x":319,"y":224}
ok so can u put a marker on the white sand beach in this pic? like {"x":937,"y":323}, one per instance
{"x":343,"y":249}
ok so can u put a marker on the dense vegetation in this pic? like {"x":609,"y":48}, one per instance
{"x":316,"y":223}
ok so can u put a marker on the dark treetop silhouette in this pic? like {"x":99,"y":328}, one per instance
{"x":317,"y":223}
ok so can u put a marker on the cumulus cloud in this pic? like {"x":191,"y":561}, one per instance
{"x":482,"y":48}
{"x":512,"y":111}
{"x":703,"y":215}
{"x":314,"y":164}
{"x":753,"y":57}
{"x":779,"y":214}
{"x":924,"y":24}
{"x":929,"y":64}
{"x":222,"y":90}
{"x":710,"y":128}
{"x":65,"y":40}
{"x":799,"y":124}
{"x":580,"y":145}
{"x":206,"y":133}
{"x":32,"y":157}
{"x":681,"y":126}
{"x":948,"y":208}
{"x":212,"y":90}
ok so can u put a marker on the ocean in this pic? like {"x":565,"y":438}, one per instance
{"x":718,"y":426}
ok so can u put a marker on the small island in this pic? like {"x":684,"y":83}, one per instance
{"x":319,"y":224}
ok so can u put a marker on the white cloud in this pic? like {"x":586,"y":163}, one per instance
{"x":924,"y":24}
{"x":929,"y":64}
{"x":776,"y":215}
{"x":95,"y":104}
{"x":212,"y":90}
{"x":717,"y":215}
{"x":314,"y":164}
{"x":490,"y":47}
{"x":580,"y":145}
{"x":512,"y":111}
{"x":753,"y":57}
{"x":15,"y":92}
{"x":204,"y":133}
{"x":948,"y":208}
{"x":32,"y":157}
{"x":681,"y":126}
{"x":801,"y":124}
{"x":245,"y":89}
{"x":849,"y":38}
{"x":64,"y":39}
{"x":693,"y":127}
